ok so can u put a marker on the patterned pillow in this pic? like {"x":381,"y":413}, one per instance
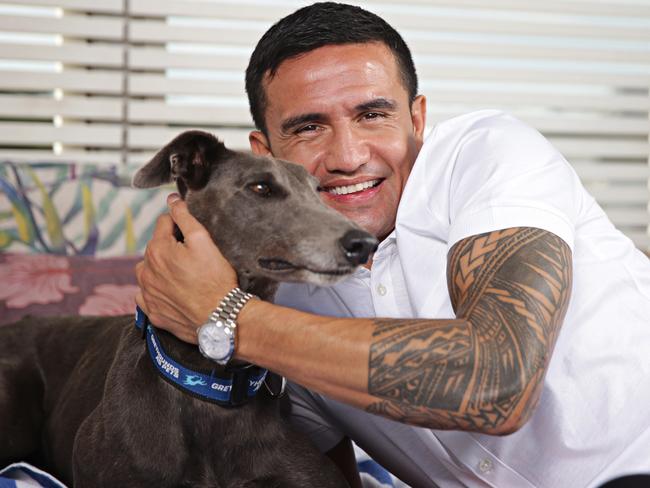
{"x":75,"y":209}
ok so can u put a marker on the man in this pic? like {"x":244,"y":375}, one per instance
{"x":487,"y":241}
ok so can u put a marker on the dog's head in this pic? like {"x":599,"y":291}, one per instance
{"x":264,"y":214}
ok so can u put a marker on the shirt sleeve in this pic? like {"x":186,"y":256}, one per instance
{"x":506,"y":174}
{"x":309,"y":417}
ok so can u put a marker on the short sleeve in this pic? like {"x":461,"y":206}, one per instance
{"x":308,"y":416}
{"x":506,"y":174}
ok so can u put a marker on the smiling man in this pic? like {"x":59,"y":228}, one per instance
{"x":343,"y":112}
{"x":513,"y":340}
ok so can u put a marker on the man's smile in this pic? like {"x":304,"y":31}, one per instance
{"x":351,"y":188}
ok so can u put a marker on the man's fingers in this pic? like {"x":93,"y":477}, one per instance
{"x":164,"y":228}
{"x":139,"y":266}
{"x":182,"y":217}
{"x":139,"y":301}
{"x":166,"y":317}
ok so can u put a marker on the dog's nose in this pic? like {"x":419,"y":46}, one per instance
{"x":358,"y":245}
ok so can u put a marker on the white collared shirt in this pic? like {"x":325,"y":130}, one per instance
{"x":477,"y":173}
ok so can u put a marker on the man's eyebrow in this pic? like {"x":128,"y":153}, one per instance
{"x":292,"y":122}
{"x":377,"y":104}
{"x":374,"y":104}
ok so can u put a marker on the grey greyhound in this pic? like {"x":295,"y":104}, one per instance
{"x":82,"y":397}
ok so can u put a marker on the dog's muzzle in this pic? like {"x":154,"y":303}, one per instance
{"x":358,"y":246}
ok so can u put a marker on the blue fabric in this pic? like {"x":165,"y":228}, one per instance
{"x":24,"y":475}
{"x":376,"y":470}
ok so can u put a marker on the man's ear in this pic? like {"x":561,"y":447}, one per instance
{"x":259,"y":143}
{"x":188,"y":160}
{"x":419,"y":116}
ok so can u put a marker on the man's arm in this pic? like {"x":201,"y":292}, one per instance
{"x":482,"y":371}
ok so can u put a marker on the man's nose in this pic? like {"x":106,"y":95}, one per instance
{"x":348,"y":151}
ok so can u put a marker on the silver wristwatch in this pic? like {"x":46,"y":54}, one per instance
{"x":217,"y":335}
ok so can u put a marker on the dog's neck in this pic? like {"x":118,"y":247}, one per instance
{"x":258,"y":286}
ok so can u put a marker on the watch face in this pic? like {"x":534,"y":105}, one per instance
{"x":214,"y":343}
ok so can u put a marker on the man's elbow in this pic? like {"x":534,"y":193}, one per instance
{"x":509,"y":426}
{"x":523,"y":400}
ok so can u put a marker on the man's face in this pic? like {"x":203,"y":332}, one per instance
{"x":343,"y":113}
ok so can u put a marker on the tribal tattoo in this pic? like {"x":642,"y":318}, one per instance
{"x":482,"y":371}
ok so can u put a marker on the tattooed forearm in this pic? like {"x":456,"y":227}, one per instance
{"x":482,"y":371}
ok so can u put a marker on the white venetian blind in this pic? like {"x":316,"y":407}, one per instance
{"x":112,"y":80}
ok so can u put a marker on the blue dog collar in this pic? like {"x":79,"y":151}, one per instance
{"x":240,"y":383}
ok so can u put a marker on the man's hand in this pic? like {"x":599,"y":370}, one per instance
{"x":182,"y":282}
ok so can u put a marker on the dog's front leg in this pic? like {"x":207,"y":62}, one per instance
{"x":131,"y":438}
{"x":98,"y":461}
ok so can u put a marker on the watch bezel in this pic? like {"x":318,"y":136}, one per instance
{"x":230,"y":338}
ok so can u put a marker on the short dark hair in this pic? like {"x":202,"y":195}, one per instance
{"x":314,"y":26}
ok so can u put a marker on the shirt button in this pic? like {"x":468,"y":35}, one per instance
{"x":381,"y":289}
{"x":485,"y":466}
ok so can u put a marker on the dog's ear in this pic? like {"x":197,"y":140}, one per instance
{"x":187,"y":160}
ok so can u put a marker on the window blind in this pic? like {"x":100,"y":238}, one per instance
{"x":111,"y":81}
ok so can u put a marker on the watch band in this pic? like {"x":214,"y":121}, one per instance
{"x":228,"y":309}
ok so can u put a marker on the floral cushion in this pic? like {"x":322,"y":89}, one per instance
{"x":45,"y":284}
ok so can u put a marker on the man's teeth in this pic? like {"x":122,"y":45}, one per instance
{"x":344,"y":190}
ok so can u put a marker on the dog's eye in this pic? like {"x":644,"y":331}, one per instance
{"x":260,"y":188}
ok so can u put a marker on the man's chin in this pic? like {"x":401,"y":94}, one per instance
{"x":373,"y":224}
{"x":367,"y":217}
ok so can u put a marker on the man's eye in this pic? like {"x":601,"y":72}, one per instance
{"x":307,"y":128}
{"x":261,"y":189}
{"x":372,"y":115}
